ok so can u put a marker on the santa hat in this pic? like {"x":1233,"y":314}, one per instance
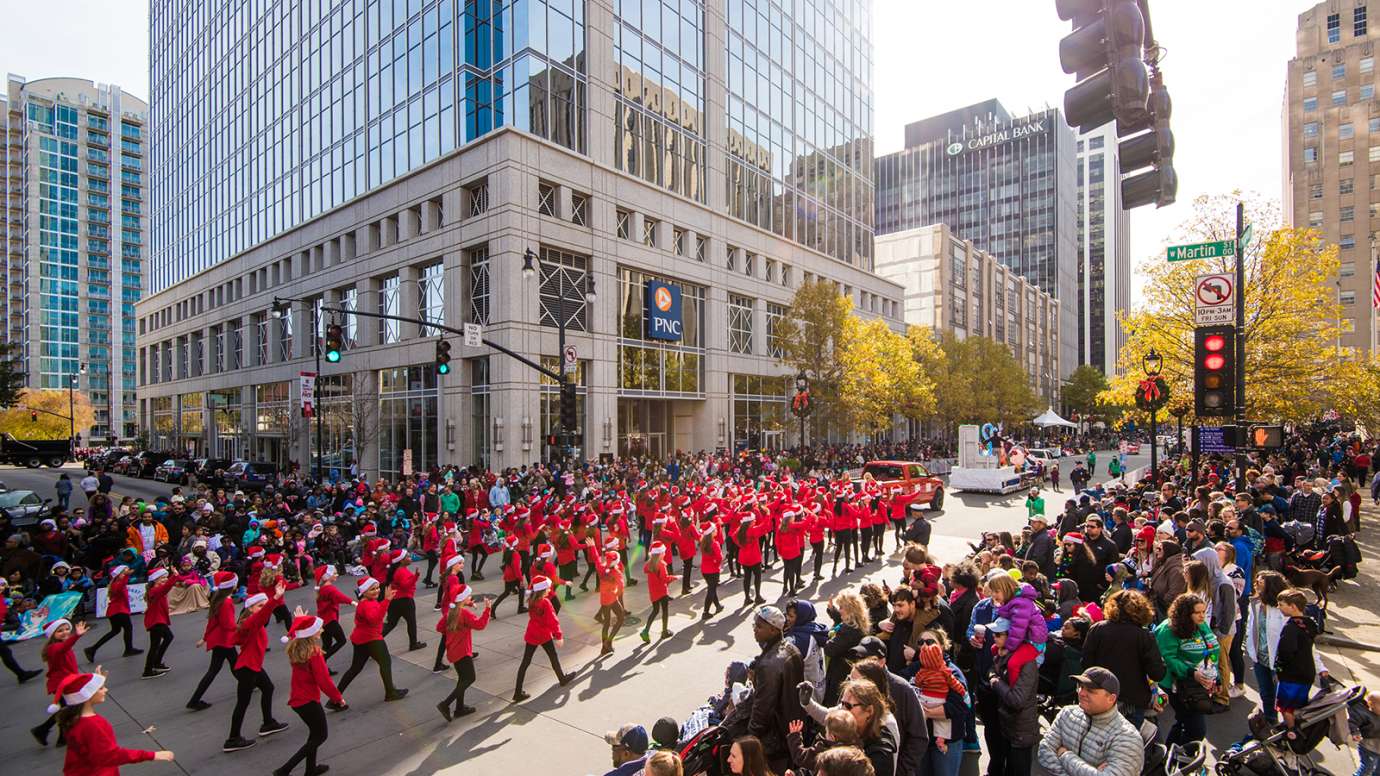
{"x":708,"y":529}
{"x":659,"y":521}
{"x":380,"y":545}
{"x":51,"y":628}
{"x":273,"y":560}
{"x":616,"y":511}
{"x":323,"y":571}
{"x":546,"y":551}
{"x":611,"y":543}
{"x":157,"y":574}
{"x":455,"y":560}
{"x":612,"y":556}
{"x":255,"y":600}
{"x":1074,"y":536}
{"x":448,"y":526}
{"x":364,"y":584}
{"x":398,"y":556}
{"x":78,"y":689}
{"x":540,"y":583}
{"x":255,"y":552}
{"x":304,"y":627}
{"x":463,"y":594}
{"x":657,"y":548}
{"x":225,"y":580}
{"x":369,"y":529}
{"x":711,"y":509}
{"x":118,"y":570}
{"x":511,"y":540}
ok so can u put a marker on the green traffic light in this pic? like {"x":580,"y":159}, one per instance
{"x":333,"y":356}
{"x":443,"y":369}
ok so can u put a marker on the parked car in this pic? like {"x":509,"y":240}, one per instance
{"x":23,"y":507}
{"x":173,"y":470}
{"x":908,"y":477}
{"x":147,"y":462}
{"x":1133,"y":448}
{"x":122,"y":465}
{"x":211,"y":471}
{"x":1045,"y":455}
{"x":251,"y":475}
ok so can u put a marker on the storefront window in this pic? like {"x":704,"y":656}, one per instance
{"x":161,"y":407}
{"x":335,"y":402}
{"x":759,"y":412}
{"x":649,"y":366}
{"x":271,"y":408}
{"x":407,"y":419}
{"x":227,"y":417}
{"x":193,"y":420}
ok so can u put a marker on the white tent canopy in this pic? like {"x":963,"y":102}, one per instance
{"x":1051,"y":418}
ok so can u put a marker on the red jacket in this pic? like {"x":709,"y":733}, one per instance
{"x":368,"y":621}
{"x":512,"y":567}
{"x":329,"y":599}
{"x":431,"y":539}
{"x":610,"y":581}
{"x":817,"y":526}
{"x":117,"y":597}
{"x":459,"y":642}
{"x":712,"y":560}
{"x":60,"y":660}
{"x":156,"y":604}
{"x":790,"y":540}
{"x":252,"y":636}
{"x":750,"y":550}
{"x":93,"y":751}
{"x":309,"y":680}
{"x":404,"y":582}
{"x":658,"y":579}
{"x":687,"y":540}
{"x":542,"y":623}
{"x":220,"y":626}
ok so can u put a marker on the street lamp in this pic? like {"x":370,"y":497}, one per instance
{"x":802,"y":384}
{"x":72,"y":410}
{"x":529,"y":270}
{"x":1152,"y":364}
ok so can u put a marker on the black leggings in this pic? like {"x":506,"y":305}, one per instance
{"x":118,"y":623}
{"x":283,"y":617}
{"x":612,"y":617}
{"x":430,"y":567}
{"x":477,"y":557}
{"x":464,"y":677}
{"x":513,"y":588}
{"x":711,"y":596}
{"x":332,"y":638}
{"x":7,"y":657}
{"x":899,"y":527}
{"x":664,"y":606}
{"x":249,"y":681}
{"x":402,"y":609}
{"x":378,"y":652}
{"x":843,"y":543}
{"x":734,"y":569}
{"x":687,"y":570}
{"x":818,"y":556}
{"x":160,"y":636}
{"x":315,"y":719}
{"x":591,"y":572}
{"x":220,"y":656}
{"x":568,"y":571}
{"x":752,"y":580}
{"x":790,"y":577}
{"x":531,"y":649}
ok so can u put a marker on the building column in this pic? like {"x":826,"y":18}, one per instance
{"x":302,"y":333}
{"x":367,"y":298}
{"x":409,"y":300}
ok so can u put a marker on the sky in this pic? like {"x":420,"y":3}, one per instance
{"x":1225,"y":69}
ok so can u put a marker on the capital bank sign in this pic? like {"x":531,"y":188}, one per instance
{"x":996,"y":138}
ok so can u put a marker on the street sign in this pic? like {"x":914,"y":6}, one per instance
{"x":1246,"y":236}
{"x":1207,"y":250}
{"x":1214,"y":299}
{"x":307,"y":393}
{"x":407,"y":462}
{"x":570,"y":359}
{"x":1217,"y":439}
{"x":474,"y":335}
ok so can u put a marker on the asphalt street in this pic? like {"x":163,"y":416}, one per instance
{"x":41,"y":481}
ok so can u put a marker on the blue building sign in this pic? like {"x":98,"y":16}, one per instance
{"x":663,"y":311}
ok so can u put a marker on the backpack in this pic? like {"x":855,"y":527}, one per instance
{"x":814,"y":667}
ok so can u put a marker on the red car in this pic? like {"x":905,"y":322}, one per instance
{"x":908,"y":477}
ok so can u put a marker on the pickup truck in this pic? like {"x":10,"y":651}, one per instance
{"x":908,"y":478}
{"x":34,"y":453}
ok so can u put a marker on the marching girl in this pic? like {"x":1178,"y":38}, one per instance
{"x":475,"y":541}
{"x":251,"y":633}
{"x":659,"y":580}
{"x":61,"y":664}
{"x":617,"y":527}
{"x":91,"y":746}
{"x":460,"y":624}
{"x":402,"y":582}
{"x":566,"y":554}
{"x":310,"y":678}
{"x":367,"y":638}
{"x":611,"y":614}
{"x":587,"y":536}
{"x":749,"y":537}
{"x":329,"y":599}
{"x":512,"y":575}
{"x":450,"y":547}
{"x":816,"y":527}
{"x":117,"y":611}
{"x":790,"y":544}
{"x":219,"y":636}
{"x":451,"y":583}
{"x":544,"y":566}
{"x":844,"y":529}
{"x":544,"y":631}
{"x":268,"y":580}
{"x":157,"y":622}
{"x":711,"y":565}
{"x":687,"y":539}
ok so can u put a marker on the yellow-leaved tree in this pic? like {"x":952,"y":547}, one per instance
{"x":50,"y":407}
{"x":1292,"y":314}
{"x":880,"y":378}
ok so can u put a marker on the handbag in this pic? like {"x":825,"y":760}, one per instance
{"x":1194,"y":696}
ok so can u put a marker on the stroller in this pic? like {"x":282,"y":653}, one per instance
{"x":1273,"y":753}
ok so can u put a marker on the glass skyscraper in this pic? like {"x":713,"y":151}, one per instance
{"x":74,"y":239}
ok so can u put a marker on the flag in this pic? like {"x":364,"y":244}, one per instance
{"x":1375,"y":288}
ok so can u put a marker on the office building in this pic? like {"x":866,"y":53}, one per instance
{"x":1007,"y":183}
{"x":952,"y":285}
{"x":1332,"y":148}
{"x":1104,"y":251}
{"x":402,"y":158}
{"x":74,"y":239}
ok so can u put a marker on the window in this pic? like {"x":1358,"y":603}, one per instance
{"x":478,"y":261}
{"x":390,"y":331}
{"x":546,"y":198}
{"x":701,"y":246}
{"x":1347,"y":242}
{"x":1373,"y":125}
{"x":579,"y":209}
{"x":1367,"y":64}
{"x":1346,"y":131}
{"x":1310,"y":129}
{"x":624,"y":223}
{"x":1347,"y":269}
{"x":786,"y":275}
{"x":1310,"y":104}
{"x":1334,"y":27}
{"x":1344,"y":158}
{"x":730,"y":256}
{"x":1373,"y":154}
{"x":1310,"y":154}
{"x":431,"y":297}
{"x":1374,"y":182}
{"x":1315,"y":219}
{"x":1310,"y":78}
{"x":776,"y":344}
{"x":1348,"y":213}
{"x":1358,"y":21}
{"x":1367,"y":92}
{"x":1347,"y":298}
{"x":739,"y":324}
{"x":285,"y":334}
{"x":649,"y":226}
{"x":1339,"y":97}
{"x":1339,"y":71}
{"x":678,"y":241}
{"x":770,"y":270}
{"x":1315,"y":190}
{"x":1344,"y":186}
{"x":564,"y":278}
{"x":750,"y":265}
{"x":479,"y":197}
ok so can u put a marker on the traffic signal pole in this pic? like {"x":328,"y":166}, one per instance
{"x":1240,"y":346}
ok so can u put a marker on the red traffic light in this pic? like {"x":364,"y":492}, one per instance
{"x":1215,"y":361}
{"x":1214,"y":343}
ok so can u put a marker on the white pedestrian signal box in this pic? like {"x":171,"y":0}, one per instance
{"x":1214,"y":299}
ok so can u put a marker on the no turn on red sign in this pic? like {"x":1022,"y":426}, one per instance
{"x":1214,"y":299}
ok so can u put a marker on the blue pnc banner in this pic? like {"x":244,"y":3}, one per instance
{"x":663,"y":311}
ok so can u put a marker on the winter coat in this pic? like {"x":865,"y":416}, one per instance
{"x":841,"y":639}
{"x":1027,"y":623}
{"x":881,"y":752}
{"x":806,"y":629}
{"x":1104,"y":745}
{"x":1128,"y":651}
{"x":1017,"y":710}
{"x":1040,"y":548}
{"x":1183,"y":656}
{"x":1223,"y":604}
{"x":775,"y":702}
{"x":1167,"y":581}
{"x":913,"y":738}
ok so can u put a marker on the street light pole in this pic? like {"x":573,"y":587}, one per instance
{"x":1153,"y":365}
{"x":72,"y":411}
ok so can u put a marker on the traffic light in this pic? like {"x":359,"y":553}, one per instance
{"x":442,"y":357}
{"x":569,"y":415}
{"x":1214,"y":370}
{"x":1153,"y":148}
{"x":1105,"y":51}
{"x":33,"y":416}
{"x":1267,"y":437}
{"x":553,"y":440}
{"x":334,"y":341}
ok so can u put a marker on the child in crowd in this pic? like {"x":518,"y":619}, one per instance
{"x":1294,"y":667}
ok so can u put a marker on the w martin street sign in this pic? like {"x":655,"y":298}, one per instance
{"x":1208,"y":250}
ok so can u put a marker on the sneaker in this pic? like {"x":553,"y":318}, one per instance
{"x":162,"y":667}
{"x":396,"y":696}
{"x":520,"y":696}
{"x":90,"y":653}
{"x":333,"y":706}
{"x":131,"y":652}
{"x":666,"y":634}
{"x":436,"y":669}
{"x":444,"y":708}
{"x":236,"y":744}
{"x":417,"y":646}
{"x":272,"y":727}
{"x":40,"y":735}
{"x":1237,"y":691}
{"x":646,"y":637}
{"x":27,"y":675}
{"x":153,"y":674}
{"x":198,"y":705}
{"x":465,"y":711}
{"x":478,"y":577}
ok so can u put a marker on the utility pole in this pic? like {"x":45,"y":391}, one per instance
{"x":1240,"y":345}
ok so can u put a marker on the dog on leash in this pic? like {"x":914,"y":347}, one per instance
{"x":1320,"y":582}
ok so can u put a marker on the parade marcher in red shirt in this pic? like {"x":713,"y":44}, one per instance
{"x":450,"y":547}
{"x":402,"y":580}
{"x":845,"y":535}
{"x":816,"y":526}
{"x":431,"y":544}
{"x":219,"y":636}
{"x":659,"y":579}
{"x":91,"y":746}
{"x":310,"y":678}
{"x":612,"y":613}
{"x":329,"y":599}
{"x":790,"y":544}
{"x":157,"y":622}
{"x":460,"y":624}
{"x":117,"y":610}
{"x":452,"y":579}
{"x":475,"y":541}
{"x":544,"y":566}
{"x":544,"y":631}
{"x":268,"y":580}
{"x":711,"y":565}
{"x":512,"y":575}
{"x":687,"y":539}
{"x":566,"y":555}
{"x":61,"y":664}
{"x":367,"y":637}
{"x":251,"y":633}
{"x":749,"y":535}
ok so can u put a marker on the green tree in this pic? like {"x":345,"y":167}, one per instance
{"x":1082,"y":389}
{"x":11,"y":375}
{"x":881,"y":377}
{"x":813,"y":335}
{"x":981,"y":382}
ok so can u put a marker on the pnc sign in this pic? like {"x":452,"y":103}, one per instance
{"x":996,"y":138}
{"x":663,"y":311}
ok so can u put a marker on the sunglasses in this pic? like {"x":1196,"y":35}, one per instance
{"x":928,"y":641}
{"x":849,"y":706}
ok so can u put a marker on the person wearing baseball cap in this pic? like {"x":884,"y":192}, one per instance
{"x":778,"y":669}
{"x":1040,"y":546}
{"x":629,"y":744}
{"x":1092,"y":737}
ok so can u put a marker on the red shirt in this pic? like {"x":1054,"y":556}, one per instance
{"x":220,"y":627}
{"x":252,"y":636}
{"x":817,"y":526}
{"x":610,"y":581}
{"x":309,"y":680}
{"x":542,"y":623}
{"x":368,"y":621}
{"x":117,"y":597}
{"x":750,"y":551}
{"x":790,"y":540}
{"x":658,"y":579}
{"x":712,"y":560}
{"x":156,"y":604}
{"x":404,"y":582}
{"x":329,"y":599}
{"x":459,"y":642}
{"x":512,"y":568}
{"x":60,"y":660}
{"x":93,"y":751}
